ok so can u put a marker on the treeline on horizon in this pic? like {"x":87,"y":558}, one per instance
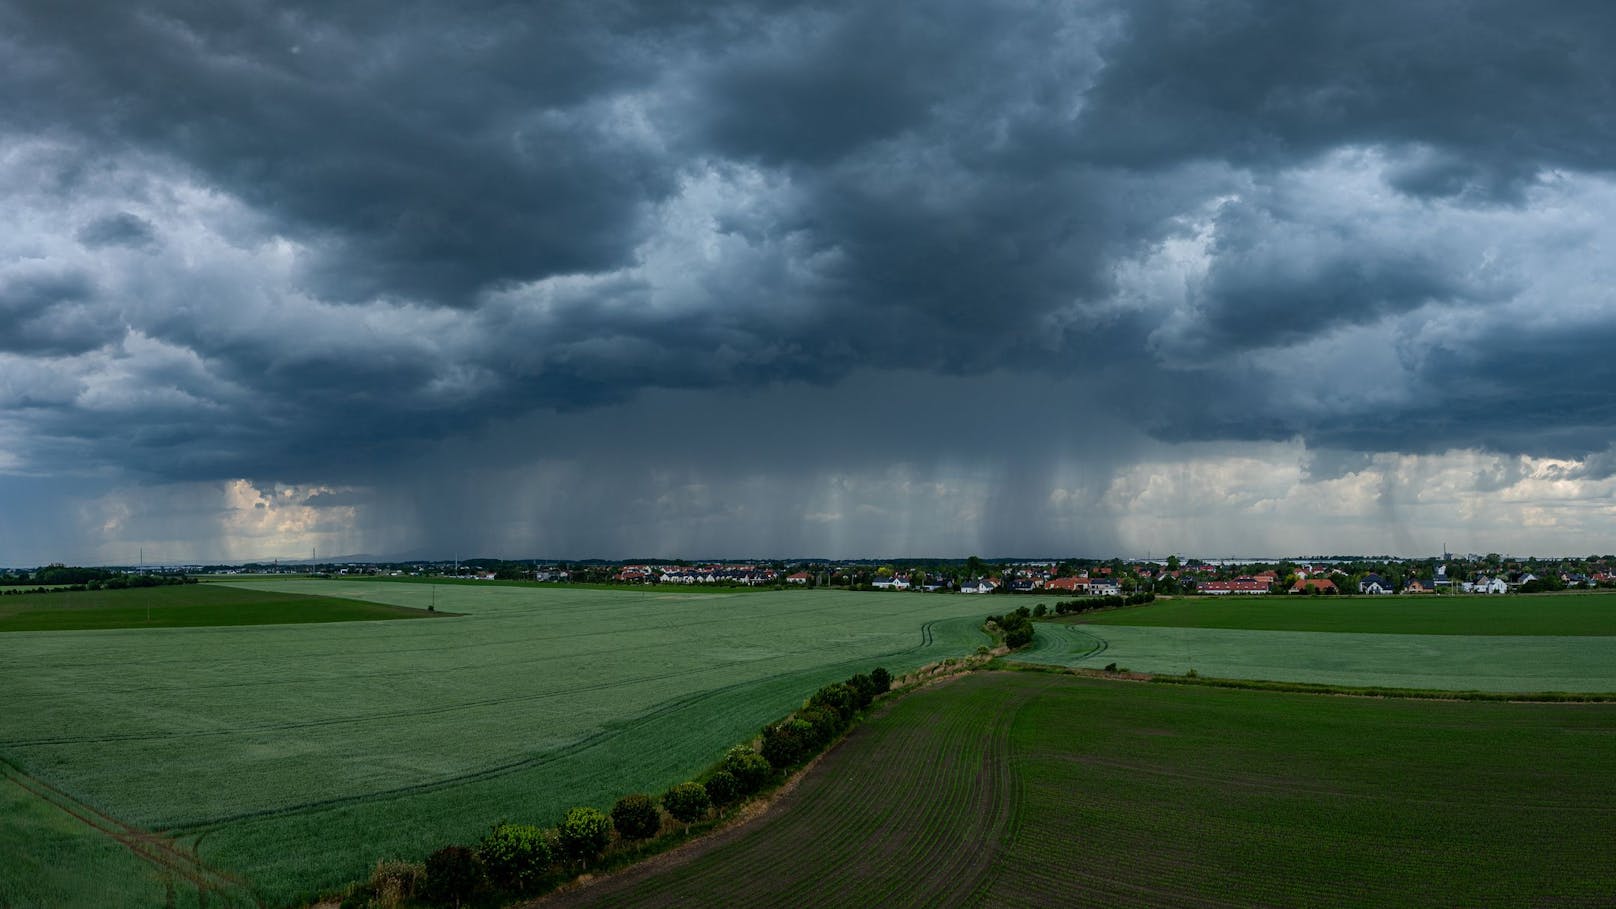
{"x":75,"y":577}
{"x":1170,"y":575}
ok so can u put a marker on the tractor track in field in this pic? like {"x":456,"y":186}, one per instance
{"x":161,"y":852}
{"x":927,"y":639}
{"x":1101,"y":645}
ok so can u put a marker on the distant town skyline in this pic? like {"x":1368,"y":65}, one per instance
{"x":602,"y":279}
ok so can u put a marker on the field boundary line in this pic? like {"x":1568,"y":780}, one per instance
{"x":161,"y":852}
{"x":1373,"y":691}
{"x":1318,"y":688}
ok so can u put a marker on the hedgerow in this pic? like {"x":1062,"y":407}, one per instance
{"x":519,"y":860}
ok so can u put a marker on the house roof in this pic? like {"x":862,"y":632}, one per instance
{"x":1320,"y":583}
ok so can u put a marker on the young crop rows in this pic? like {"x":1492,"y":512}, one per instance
{"x":1035,"y":789}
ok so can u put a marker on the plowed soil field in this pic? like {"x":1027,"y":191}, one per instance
{"x":1033,"y":789}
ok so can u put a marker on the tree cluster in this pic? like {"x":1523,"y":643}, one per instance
{"x":112,"y":581}
{"x":1016,"y":627}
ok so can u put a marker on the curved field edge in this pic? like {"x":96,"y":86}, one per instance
{"x":1533,"y":664}
{"x":1147,"y":795}
{"x":1555,"y":614}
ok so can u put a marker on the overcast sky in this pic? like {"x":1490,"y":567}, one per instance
{"x":806,"y":279}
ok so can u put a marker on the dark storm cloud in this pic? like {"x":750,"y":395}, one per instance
{"x":431,"y":152}
{"x":44,"y":310}
{"x":1503,"y":89}
{"x":1279,"y":275}
{"x":121,"y":229}
{"x":283,"y":239}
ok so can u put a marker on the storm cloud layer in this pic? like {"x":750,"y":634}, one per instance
{"x":290,"y":244}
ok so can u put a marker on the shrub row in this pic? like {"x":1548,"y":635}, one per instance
{"x":1069,"y":607}
{"x":514,"y":860}
{"x":827,"y":712}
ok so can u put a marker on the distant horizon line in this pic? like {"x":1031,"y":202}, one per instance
{"x":366,"y":559}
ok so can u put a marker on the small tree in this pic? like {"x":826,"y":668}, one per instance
{"x":750,"y":769}
{"x":584,"y":833}
{"x":516,"y":856}
{"x":635,"y":817}
{"x":687,"y":802}
{"x":722,"y":788}
{"x":882,"y":680}
{"x":863,"y":688}
{"x":454,"y":875}
{"x":825,"y":722}
{"x":838,"y":697}
{"x":1040,"y":611}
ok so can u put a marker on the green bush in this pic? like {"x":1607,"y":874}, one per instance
{"x":454,"y":876}
{"x":750,"y":769}
{"x":722,"y":788}
{"x":1016,"y":626}
{"x":838,"y":697}
{"x":882,"y":680}
{"x":827,"y":723}
{"x":635,"y":817}
{"x":863,"y":688}
{"x":820,"y":725}
{"x":783,"y":743}
{"x":516,"y":856}
{"x":687,"y":802}
{"x":584,"y":833}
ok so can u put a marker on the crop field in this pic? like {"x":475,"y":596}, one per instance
{"x":1034,"y":789}
{"x":1528,"y":663}
{"x":1541,"y":614}
{"x":184,"y":606}
{"x":286,"y":759}
{"x":1549,"y":643}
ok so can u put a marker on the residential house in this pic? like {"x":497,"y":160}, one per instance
{"x":1375,"y":584}
{"x":1103,"y":587}
{"x":1418,"y":585}
{"x":1308,"y":585}
{"x":801,"y":577}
